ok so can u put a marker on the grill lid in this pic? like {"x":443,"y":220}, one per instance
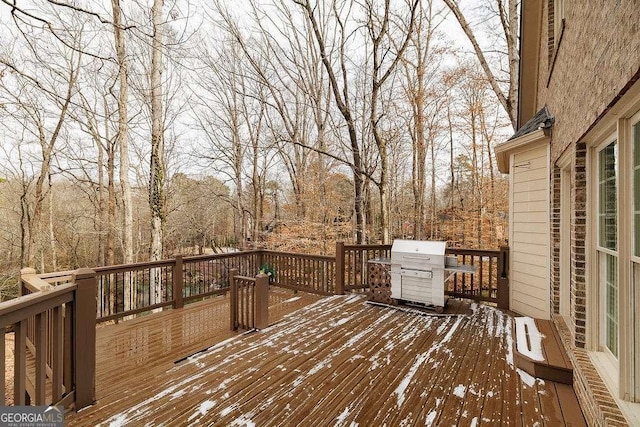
{"x":418,"y":247}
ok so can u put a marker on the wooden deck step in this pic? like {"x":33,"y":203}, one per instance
{"x":539,"y":350}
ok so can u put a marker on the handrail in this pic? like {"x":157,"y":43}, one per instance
{"x":470,"y":251}
{"x":21,"y":308}
{"x":56,"y":324}
{"x":34,"y":282}
{"x":135,"y":266}
{"x":301,"y":256}
{"x":216,"y":256}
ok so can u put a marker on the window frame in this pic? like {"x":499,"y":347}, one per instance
{"x":601,"y":252}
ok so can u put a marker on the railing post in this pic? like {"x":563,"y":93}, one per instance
{"x":261,"y":301}
{"x":339,"y":290}
{"x":503,"y":278}
{"x":259,"y":258}
{"x":178,"y":281}
{"x":233,"y":299}
{"x":25,"y":272}
{"x":84,"y":334}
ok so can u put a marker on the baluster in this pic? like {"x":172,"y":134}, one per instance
{"x":2,"y":367}
{"x":233,"y":300}
{"x":20,"y":363}
{"x":57,"y":359}
{"x":41,"y":358}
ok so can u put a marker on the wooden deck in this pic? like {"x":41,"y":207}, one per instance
{"x":337,"y":361}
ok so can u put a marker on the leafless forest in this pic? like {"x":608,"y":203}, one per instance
{"x":141,"y":129}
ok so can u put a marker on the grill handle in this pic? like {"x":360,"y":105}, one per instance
{"x":416,"y":258}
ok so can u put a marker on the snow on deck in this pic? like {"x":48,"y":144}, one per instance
{"x":340,"y":361}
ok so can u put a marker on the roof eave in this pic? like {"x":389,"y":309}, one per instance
{"x":504,"y":150}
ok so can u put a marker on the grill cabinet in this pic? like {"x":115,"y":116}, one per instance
{"x":418,"y":271}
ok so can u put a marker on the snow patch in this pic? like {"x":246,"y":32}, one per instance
{"x":460,"y":390}
{"x":524,"y":326}
{"x":291,"y":299}
{"x":226,"y":411}
{"x":341,"y":321}
{"x":343,"y":416}
{"x":206,"y":406}
{"x":119,"y":421}
{"x":452,"y":330}
{"x":178,"y":394}
{"x":526,"y":378}
{"x":474,"y":422}
{"x":509,"y":339}
{"x":402,"y":387}
{"x":431,"y":417}
{"x":244,"y":421}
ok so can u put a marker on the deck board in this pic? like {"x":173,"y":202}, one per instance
{"x":335,"y":361}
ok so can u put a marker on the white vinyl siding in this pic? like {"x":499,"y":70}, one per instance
{"x":529,"y":232}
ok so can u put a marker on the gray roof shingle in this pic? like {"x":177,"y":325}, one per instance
{"x":541,"y":120}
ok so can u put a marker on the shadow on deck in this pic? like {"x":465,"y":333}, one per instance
{"x":334,"y":361}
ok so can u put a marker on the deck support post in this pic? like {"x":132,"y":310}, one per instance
{"x":261,"y":301}
{"x":233,"y":299}
{"x":339,"y":281}
{"x":503,"y":278}
{"x":178,"y":282}
{"x":84,"y":337}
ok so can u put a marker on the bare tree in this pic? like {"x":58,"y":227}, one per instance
{"x":340,"y":88}
{"x":507,"y":12}
{"x":40,"y":107}
{"x":382,"y":40}
{"x":157,"y":168}
{"x":122,"y":135}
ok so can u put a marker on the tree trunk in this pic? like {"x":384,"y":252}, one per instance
{"x":157,"y":169}
{"x":52,"y":236}
{"x":123,"y":144}
{"x":122,"y":138}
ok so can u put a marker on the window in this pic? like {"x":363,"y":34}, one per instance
{"x":613,"y":261}
{"x":636,"y":188}
{"x":558,"y":20}
{"x":608,"y":244}
{"x":555,"y":28}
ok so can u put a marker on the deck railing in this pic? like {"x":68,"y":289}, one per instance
{"x":129,"y":289}
{"x":54,"y":329}
{"x":249,"y":301}
{"x":207,"y":275}
{"x":354,"y":265}
{"x":309,"y":273}
{"x":490,"y":282}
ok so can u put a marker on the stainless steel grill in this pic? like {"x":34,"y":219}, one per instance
{"x":418,"y":271}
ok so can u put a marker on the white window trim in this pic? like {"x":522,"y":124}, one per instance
{"x":601,"y":315}
{"x":616,"y":373}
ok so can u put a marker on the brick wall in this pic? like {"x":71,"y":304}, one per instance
{"x":597,"y":56}
{"x":578,"y":245}
{"x":555,"y":239}
{"x":597,"y":404}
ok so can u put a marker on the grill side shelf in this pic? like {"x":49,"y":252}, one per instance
{"x":471,"y":269}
